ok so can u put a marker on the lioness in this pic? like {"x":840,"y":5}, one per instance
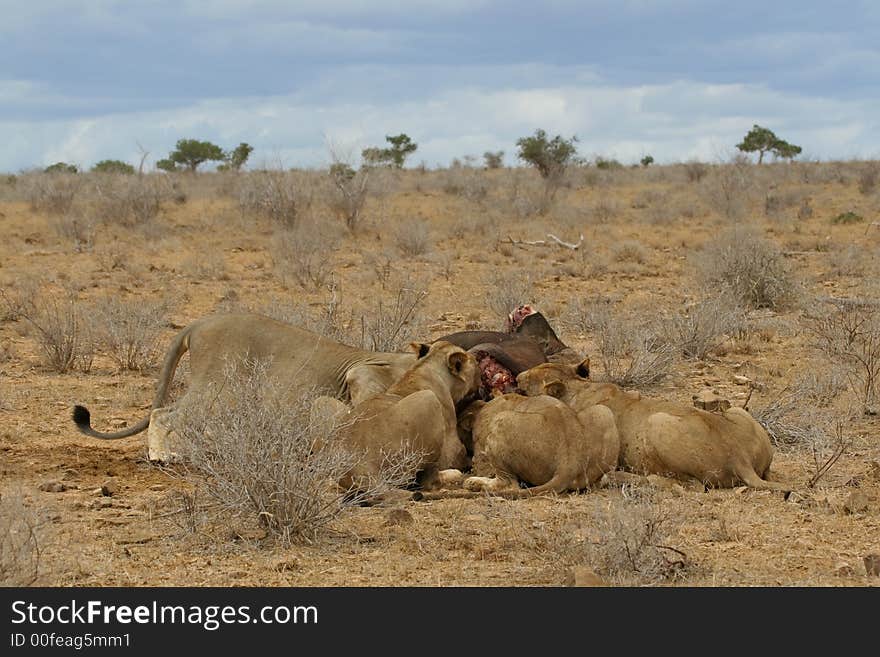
{"x":298,"y":360}
{"x":666,"y":438}
{"x":539,"y":441}
{"x":417,"y":412}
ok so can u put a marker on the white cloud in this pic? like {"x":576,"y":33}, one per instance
{"x":672,"y":122}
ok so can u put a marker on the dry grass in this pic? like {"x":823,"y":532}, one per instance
{"x":394,"y":319}
{"x":19,"y":540}
{"x":506,"y":292}
{"x":699,"y":329}
{"x":284,"y":197}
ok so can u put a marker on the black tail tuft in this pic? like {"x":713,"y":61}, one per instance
{"x":82,"y":417}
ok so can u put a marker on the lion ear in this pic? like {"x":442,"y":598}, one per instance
{"x":582,"y":369}
{"x":456,"y":361}
{"x":554,"y":389}
{"x":421,"y":348}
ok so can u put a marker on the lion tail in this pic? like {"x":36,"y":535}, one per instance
{"x":179,"y":346}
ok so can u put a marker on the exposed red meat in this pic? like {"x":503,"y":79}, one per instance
{"x":495,"y":379}
{"x":519,"y":313}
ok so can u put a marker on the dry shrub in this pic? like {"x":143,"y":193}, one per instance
{"x":61,"y":326}
{"x":747,"y":266}
{"x":629,"y":251}
{"x":130,"y":200}
{"x":628,"y":540}
{"x":53,"y":193}
{"x":730,"y":188}
{"x":412,"y":237}
{"x":695,"y":171}
{"x":699,"y":329}
{"x":869,"y":177}
{"x":76,"y":226}
{"x":259,"y":457}
{"x":304,"y":253}
{"x":506,"y":292}
{"x":394,"y":319}
{"x":847,"y":331}
{"x":635,"y":545}
{"x":19,"y":540}
{"x":848,"y":261}
{"x":282,"y":196}
{"x":350,"y":191}
{"x":466,"y":182}
{"x":633,"y":353}
{"x":604,"y":210}
{"x":129,"y":330}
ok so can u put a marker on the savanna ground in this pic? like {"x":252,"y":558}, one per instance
{"x":80,"y":252}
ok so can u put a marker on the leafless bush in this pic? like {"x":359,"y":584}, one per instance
{"x":62,"y":331}
{"x":695,"y":170}
{"x":466,"y":182}
{"x":350,"y":192}
{"x":130,"y":330}
{"x":848,"y":261}
{"x":394,"y":320}
{"x":635,"y":540}
{"x":284,"y":197}
{"x":747,"y":265}
{"x":53,"y":193}
{"x":130,"y":200}
{"x":530,"y":195}
{"x":604,"y":210}
{"x":629,"y":251}
{"x":869,"y":177}
{"x":305,"y":253}
{"x":701,"y":327}
{"x":633,"y":354}
{"x":826,"y":453}
{"x":412,"y":237}
{"x":76,"y":226}
{"x":19,"y":540}
{"x":729,"y":190}
{"x":847,"y":331}
{"x":253,"y":449}
{"x":505,"y":292}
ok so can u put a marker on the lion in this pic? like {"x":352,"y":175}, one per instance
{"x":298,"y":361}
{"x":417,"y":414}
{"x":539,"y":441}
{"x":666,"y":438}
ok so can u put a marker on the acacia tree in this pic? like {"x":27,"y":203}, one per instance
{"x":550,"y":157}
{"x":113,"y":166}
{"x":235,"y":159}
{"x":190,"y":153}
{"x":401,"y":147}
{"x":763,"y":140}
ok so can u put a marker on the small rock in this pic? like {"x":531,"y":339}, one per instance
{"x":583,"y":576}
{"x":157,"y":487}
{"x":398,"y":517}
{"x":843,"y":569}
{"x":872,"y":564}
{"x":709,"y":400}
{"x":857,"y":502}
{"x":53,"y":487}
{"x":795,"y":498}
{"x":109,"y":488}
{"x":103,"y":503}
{"x":741,"y":380}
{"x":70,"y":473}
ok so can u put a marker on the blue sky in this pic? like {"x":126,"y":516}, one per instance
{"x":85,"y":80}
